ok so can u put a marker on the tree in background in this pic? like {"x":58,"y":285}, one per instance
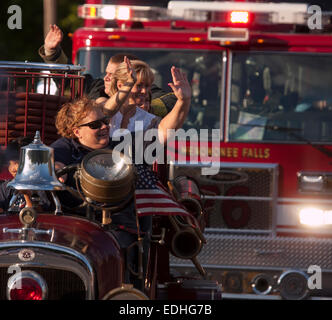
{"x":22,"y":44}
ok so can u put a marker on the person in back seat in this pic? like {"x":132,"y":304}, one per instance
{"x":51,"y":52}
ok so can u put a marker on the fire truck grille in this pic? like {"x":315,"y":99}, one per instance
{"x":237,"y":197}
{"x":62,"y":284}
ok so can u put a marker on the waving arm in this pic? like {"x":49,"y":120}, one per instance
{"x":175,"y":118}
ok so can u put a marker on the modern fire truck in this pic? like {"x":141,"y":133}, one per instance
{"x":261,"y":83}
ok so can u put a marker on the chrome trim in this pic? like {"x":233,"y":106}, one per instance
{"x":229,"y":165}
{"x":227,"y":106}
{"x":235,"y":231}
{"x":57,"y":203}
{"x":81,"y":266}
{"x":27,"y":274}
{"x":234,"y":267}
{"x":282,"y":279}
{"x":12,"y":201}
{"x":26,"y":230}
{"x":248,"y":296}
{"x":18,"y":65}
{"x":246,"y":165}
{"x":254,"y":283}
{"x":205,"y":197}
{"x":301,"y":273}
{"x":223,"y":96}
{"x":274,"y":201}
{"x":303,"y":200}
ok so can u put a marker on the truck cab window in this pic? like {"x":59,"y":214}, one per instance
{"x":280,"y":97}
{"x":202,"y":68}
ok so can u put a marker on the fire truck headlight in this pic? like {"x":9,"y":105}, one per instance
{"x":315,"y":217}
{"x":312,"y":217}
{"x":313,"y":183}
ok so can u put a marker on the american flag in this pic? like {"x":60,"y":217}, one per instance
{"x":152,"y":198}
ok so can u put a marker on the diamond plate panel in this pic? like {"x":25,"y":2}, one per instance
{"x":265,"y":252}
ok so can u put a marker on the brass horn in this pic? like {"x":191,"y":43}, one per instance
{"x":36,"y":168}
{"x":187,"y":240}
{"x":187,"y":192}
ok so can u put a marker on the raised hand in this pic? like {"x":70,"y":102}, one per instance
{"x":53,"y":38}
{"x":180,"y":85}
{"x":132,"y":77}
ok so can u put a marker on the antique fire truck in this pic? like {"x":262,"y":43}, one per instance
{"x":51,"y":253}
{"x":261,"y":107}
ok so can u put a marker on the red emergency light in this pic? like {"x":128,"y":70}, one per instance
{"x":242,"y":17}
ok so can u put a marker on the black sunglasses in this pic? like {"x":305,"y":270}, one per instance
{"x":97,"y":124}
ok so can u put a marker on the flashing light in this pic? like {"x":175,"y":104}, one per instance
{"x":108,"y":12}
{"x":93,"y":12}
{"x":114,"y":12}
{"x":123,"y":13}
{"x":239,"y":17}
{"x":315,"y":217}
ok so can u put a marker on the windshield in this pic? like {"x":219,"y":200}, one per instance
{"x":202,"y":68}
{"x":281,"y":97}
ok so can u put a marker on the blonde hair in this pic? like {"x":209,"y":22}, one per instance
{"x":71,"y":115}
{"x":143,"y":71}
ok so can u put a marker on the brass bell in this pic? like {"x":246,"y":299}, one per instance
{"x":36,"y":168}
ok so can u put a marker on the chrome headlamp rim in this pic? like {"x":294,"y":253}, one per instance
{"x":30,"y":275}
{"x":103,"y":190}
{"x":302,"y":276}
{"x":95,"y":153}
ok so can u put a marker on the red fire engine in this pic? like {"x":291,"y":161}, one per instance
{"x":261,"y":83}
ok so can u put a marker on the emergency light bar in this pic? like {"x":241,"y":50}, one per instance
{"x":207,"y":11}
